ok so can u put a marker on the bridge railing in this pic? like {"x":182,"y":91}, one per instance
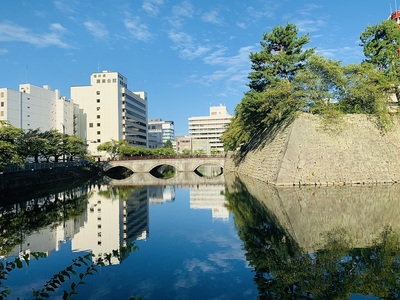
{"x":168,"y":157}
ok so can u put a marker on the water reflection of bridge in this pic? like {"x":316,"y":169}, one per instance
{"x":311,"y":215}
{"x":180,"y":178}
{"x":180,"y":163}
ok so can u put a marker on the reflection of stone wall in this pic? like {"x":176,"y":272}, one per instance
{"x":308,"y":214}
{"x":353,"y":151}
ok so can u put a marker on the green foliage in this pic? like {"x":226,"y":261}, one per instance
{"x":16,"y":145}
{"x":286,"y":79}
{"x":168,"y":144}
{"x":123,"y":149}
{"x":186,"y":152}
{"x":76,"y":272}
{"x":282,"y":270}
{"x":75,"y":146}
{"x":17,"y":263}
{"x":271,"y":98}
{"x":381,"y":43}
{"x":112,"y":147}
{"x":9,"y":148}
{"x":282,"y":55}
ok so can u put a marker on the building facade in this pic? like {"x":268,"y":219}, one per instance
{"x":108,"y":111}
{"x":33,"y":107}
{"x":210,"y":128}
{"x":159,"y":132}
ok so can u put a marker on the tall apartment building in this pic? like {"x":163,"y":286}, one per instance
{"x":33,"y":107}
{"x":210,"y":128}
{"x":159,"y":132}
{"x":108,"y":110}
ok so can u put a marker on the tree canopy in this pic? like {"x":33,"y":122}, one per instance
{"x":287,"y":78}
{"x":16,"y":145}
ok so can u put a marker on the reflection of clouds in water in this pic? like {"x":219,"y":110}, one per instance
{"x":195,"y":263}
{"x":216,"y":262}
{"x":146,"y":287}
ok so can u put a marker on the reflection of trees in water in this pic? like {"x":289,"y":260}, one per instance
{"x":284,"y":271}
{"x":22,"y":219}
{"x":121,"y":193}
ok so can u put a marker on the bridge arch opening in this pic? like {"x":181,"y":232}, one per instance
{"x":209,"y":170}
{"x":118,"y":173}
{"x":163,"y":171}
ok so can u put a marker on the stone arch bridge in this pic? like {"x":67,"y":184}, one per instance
{"x":146,"y":164}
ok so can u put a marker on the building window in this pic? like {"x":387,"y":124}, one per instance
{"x":1,"y":113}
{"x":98,"y":140}
{"x":98,"y":132}
{"x":2,"y":94}
{"x":90,"y":124}
{"x":2,"y":104}
{"x":98,"y":100}
{"x":98,"y":116}
{"x":98,"y":107}
{"x":97,"y":92}
{"x":98,"y":124}
{"x":108,"y":80}
{"x":103,"y":81}
{"x":98,"y":80}
{"x":114,"y":80}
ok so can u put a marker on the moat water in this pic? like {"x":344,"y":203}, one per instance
{"x":239,"y":240}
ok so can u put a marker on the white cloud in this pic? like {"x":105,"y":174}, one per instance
{"x":137,"y":29}
{"x":212,"y":17}
{"x":309,"y":25}
{"x":268,"y":10}
{"x":3,"y":51}
{"x":64,"y":6}
{"x":234,"y":68}
{"x":308,"y":9}
{"x":11,"y":32}
{"x":186,"y":45}
{"x":180,"y":12}
{"x":345,"y":54}
{"x":241,"y":25}
{"x":96,"y":29}
{"x":152,"y":6}
{"x":184,"y":9}
{"x":58,"y":27}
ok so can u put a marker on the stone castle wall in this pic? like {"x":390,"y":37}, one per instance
{"x":310,"y":152}
{"x":313,"y":216}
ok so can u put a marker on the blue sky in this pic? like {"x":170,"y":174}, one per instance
{"x":187,"y":55}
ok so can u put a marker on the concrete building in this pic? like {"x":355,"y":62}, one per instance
{"x":33,"y":107}
{"x":159,"y":132}
{"x":192,"y":145}
{"x":108,"y":110}
{"x":210,"y":128}
{"x":110,"y":224}
{"x":210,"y":197}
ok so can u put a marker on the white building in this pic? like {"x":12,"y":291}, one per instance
{"x":33,"y":107}
{"x":211,"y":127}
{"x":108,"y":110}
{"x":159,"y":132}
{"x":210,"y":197}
